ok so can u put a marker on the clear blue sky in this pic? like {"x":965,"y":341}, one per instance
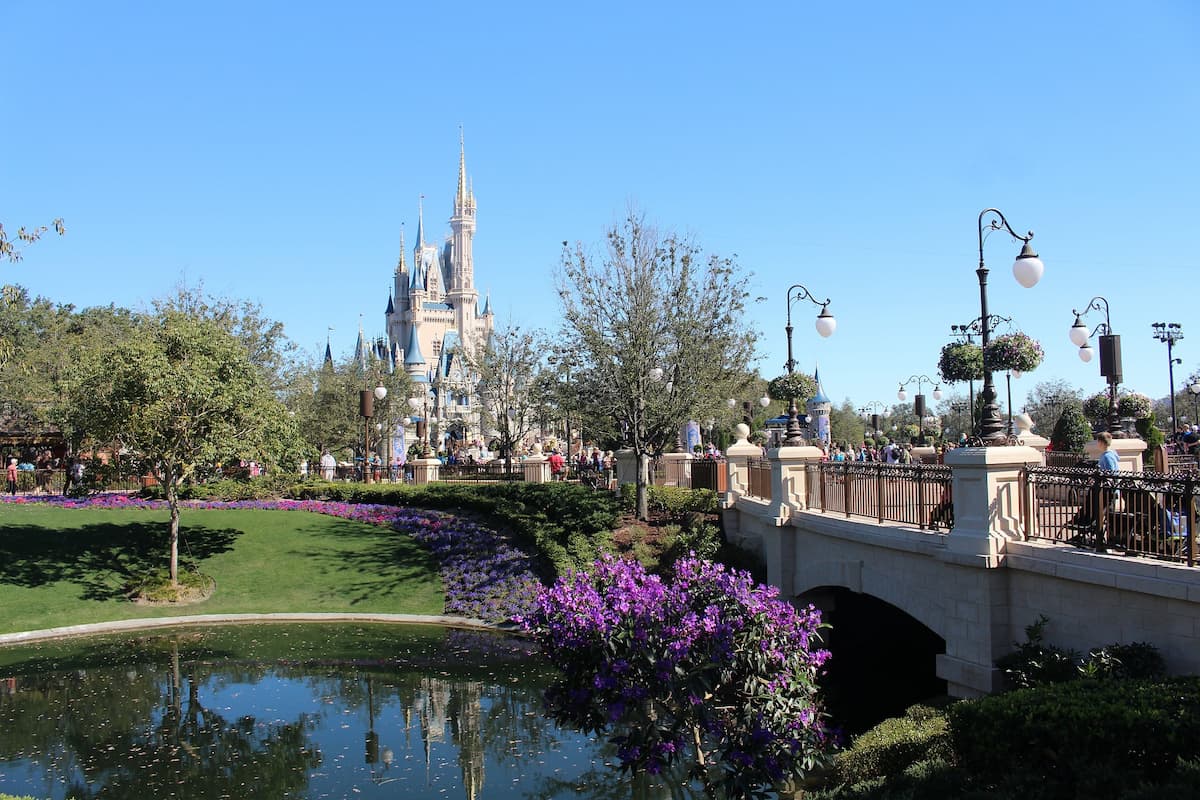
{"x":272,"y":150}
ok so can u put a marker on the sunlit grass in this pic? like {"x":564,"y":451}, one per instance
{"x":71,"y":566}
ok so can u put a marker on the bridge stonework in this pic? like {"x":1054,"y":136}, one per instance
{"x":978,"y":586}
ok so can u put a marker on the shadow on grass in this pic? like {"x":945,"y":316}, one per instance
{"x":375,"y":562}
{"x":103,"y":558}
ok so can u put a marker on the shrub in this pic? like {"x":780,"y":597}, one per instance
{"x":568,"y":525}
{"x":892,"y":746}
{"x":675,"y":501}
{"x":704,"y":668}
{"x":1095,"y":408}
{"x":1136,"y":661}
{"x":1097,"y":738}
{"x":1072,"y":432}
{"x":1036,"y":664}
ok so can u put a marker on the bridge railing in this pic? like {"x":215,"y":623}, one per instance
{"x":915,"y":494}
{"x":758,"y":478}
{"x":1137,"y":513}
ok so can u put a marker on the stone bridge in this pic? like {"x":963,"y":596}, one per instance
{"x":968,"y":593}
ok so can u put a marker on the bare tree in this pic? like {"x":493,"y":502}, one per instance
{"x":660,"y":330}
{"x":507,"y":366}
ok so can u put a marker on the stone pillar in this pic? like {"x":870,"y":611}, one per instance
{"x":789,"y":481}
{"x":679,"y":469}
{"x":425,"y":470}
{"x":987,"y":515}
{"x":735,"y":463}
{"x":1129,"y":452}
{"x":627,"y":467}
{"x":536,"y":468}
{"x":987,"y":501}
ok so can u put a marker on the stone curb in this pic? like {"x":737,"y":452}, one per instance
{"x":118,"y":626}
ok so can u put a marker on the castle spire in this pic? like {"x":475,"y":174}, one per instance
{"x":420,"y":222}
{"x":460,"y":199}
{"x":328,"y":351}
{"x":400,"y":265}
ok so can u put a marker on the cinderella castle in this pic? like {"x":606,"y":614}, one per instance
{"x":433,"y":317}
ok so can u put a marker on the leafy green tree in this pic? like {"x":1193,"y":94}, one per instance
{"x":659,"y":328}
{"x":323,"y":401}
{"x":181,"y":395}
{"x":1072,"y":431}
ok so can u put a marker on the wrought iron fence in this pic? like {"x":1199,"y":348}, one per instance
{"x":483,"y":473}
{"x":1137,"y":513}
{"x":916,"y":494}
{"x":758,"y":478}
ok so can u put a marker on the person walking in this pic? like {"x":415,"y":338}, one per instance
{"x":11,"y":474}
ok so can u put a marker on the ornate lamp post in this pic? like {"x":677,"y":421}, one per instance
{"x":1170,"y":332}
{"x":1027,"y":269}
{"x":747,"y":415}
{"x":919,"y":401}
{"x":1194,"y":389}
{"x":1110,"y":354}
{"x":366,"y":409}
{"x":870,"y":413}
{"x":826,"y":324}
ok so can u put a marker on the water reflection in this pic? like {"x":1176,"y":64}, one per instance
{"x":292,"y":711}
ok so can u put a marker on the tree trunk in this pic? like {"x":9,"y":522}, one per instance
{"x":643,"y":481}
{"x":173,"y":503}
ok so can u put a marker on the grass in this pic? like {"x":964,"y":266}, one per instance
{"x":70,"y":566}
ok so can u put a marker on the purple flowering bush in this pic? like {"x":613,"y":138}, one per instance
{"x":485,"y":576}
{"x":705,"y":669}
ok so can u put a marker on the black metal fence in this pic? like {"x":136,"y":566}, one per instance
{"x":758,"y":478}
{"x":492,"y":472}
{"x":1135,"y":513}
{"x":915,"y":494}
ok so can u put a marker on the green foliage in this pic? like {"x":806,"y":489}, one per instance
{"x":1149,"y":430}
{"x":1095,"y":739}
{"x":568,"y":525}
{"x":894,"y":745}
{"x":1035,"y":663}
{"x":1095,"y":407}
{"x":1072,"y":432}
{"x":796,"y":385}
{"x":659,"y":329}
{"x":676,"y":501}
{"x":961,"y":362}
{"x":1013,"y":351}
{"x":1135,"y":661}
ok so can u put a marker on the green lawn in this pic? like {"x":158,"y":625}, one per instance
{"x":68,"y":566}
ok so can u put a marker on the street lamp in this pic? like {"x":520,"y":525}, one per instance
{"x":870,"y":412}
{"x":1008,"y":376}
{"x":1110,"y":354}
{"x":747,"y":417}
{"x":1170,"y":332}
{"x":919,"y":401}
{"x":826,"y":324}
{"x":366,"y":409}
{"x":1027,"y":269}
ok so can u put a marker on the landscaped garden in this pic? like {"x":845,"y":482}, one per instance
{"x":1105,"y":725}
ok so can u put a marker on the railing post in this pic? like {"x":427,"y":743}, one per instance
{"x":920,"y":496}
{"x":879,"y":468}
{"x":789,"y":488}
{"x":845,"y":487}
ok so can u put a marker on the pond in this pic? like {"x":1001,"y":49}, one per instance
{"x":296,"y":711}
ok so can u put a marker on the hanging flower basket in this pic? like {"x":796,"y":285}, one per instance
{"x":797,"y":385}
{"x":1095,"y":408}
{"x":1134,"y":405}
{"x":961,"y":361}
{"x":1013,"y":351}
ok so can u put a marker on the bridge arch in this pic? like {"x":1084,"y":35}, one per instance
{"x":883,"y":659}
